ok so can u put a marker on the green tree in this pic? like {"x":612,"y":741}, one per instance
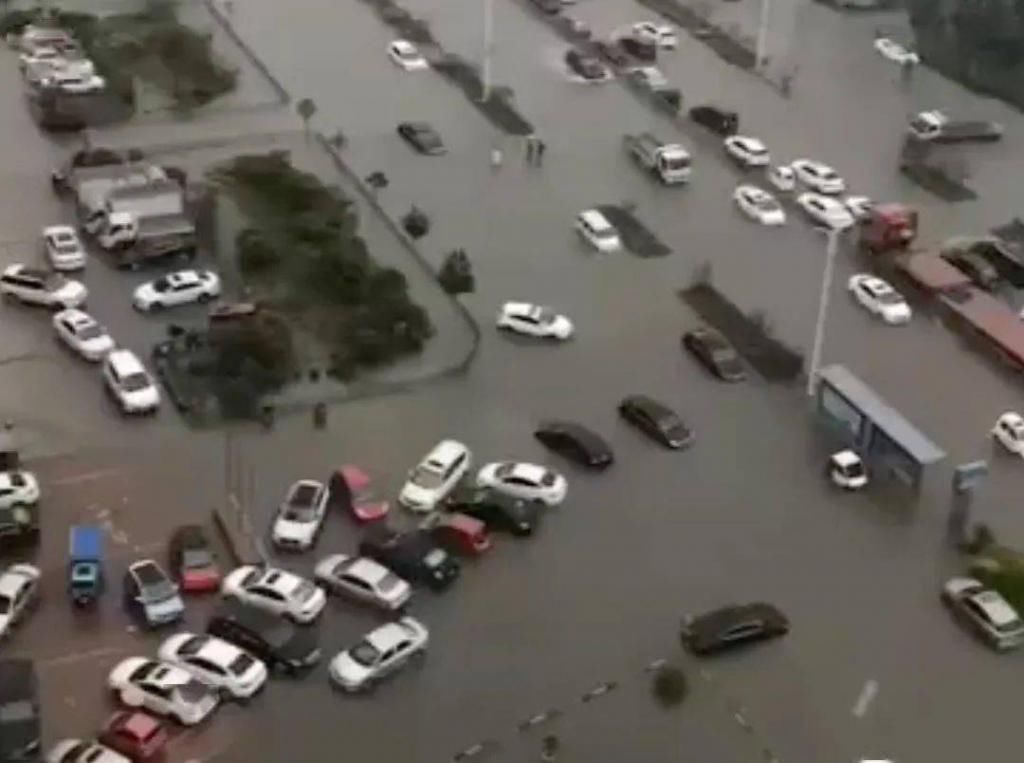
{"x":306,"y":109}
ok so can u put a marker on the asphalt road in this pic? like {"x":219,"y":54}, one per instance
{"x":743,"y":515}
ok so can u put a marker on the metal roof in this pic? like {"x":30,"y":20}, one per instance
{"x":883,"y":415}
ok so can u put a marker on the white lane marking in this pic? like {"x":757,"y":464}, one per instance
{"x":67,"y":659}
{"x":865,"y":698}
{"x":76,"y":479}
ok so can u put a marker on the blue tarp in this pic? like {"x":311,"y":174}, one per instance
{"x":86,"y":543}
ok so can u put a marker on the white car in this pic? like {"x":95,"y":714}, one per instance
{"x":825,"y":210}
{"x":216,"y":663}
{"x":649,"y":77}
{"x":276,"y":591}
{"x":782,"y":177}
{"x":1009,"y":430}
{"x":860,"y":206}
{"x":83,"y":751}
{"x":759,"y":205}
{"x":18,"y":488}
{"x":162,"y":689}
{"x":364,"y":580}
{"x":300,"y":516}
{"x":81,"y":332}
{"x":19,"y":591}
{"x":595,"y":229}
{"x":380,"y":652}
{"x":986,"y":611}
{"x":534,"y":320}
{"x":179,"y":288}
{"x":896,"y":52}
{"x":527,"y":481}
{"x":880,"y":298}
{"x":846,"y":470}
{"x":818,"y":176}
{"x":405,"y":54}
{"x":40,"y":56}
{"x":435,"y":476}
{"x":129,"y":383}
{"x":33,"y":286}
{"x":748,"y":151}
{"x":661,"y":35}
{"x":63,"y":249}
{"x":71,"y":80}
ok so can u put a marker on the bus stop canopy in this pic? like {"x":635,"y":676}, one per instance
{"x":882,"y":415}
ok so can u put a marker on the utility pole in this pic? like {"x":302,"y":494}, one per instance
{"x":832,"y":249}
{"x":762,"y":34}
{"x":488,"y":48}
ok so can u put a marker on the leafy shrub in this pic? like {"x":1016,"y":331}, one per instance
{"x":456,"y":276}
{"x":256,"y":254}
{"x":669,"y":685}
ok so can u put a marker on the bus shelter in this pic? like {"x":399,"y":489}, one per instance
{"x":886,"y":441}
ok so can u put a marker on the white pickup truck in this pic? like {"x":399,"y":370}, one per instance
{"x":669,"y":161}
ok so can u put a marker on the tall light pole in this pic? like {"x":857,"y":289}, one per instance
{"x":834,"y":235}
{"x":488,"y":47}
{"x":762,"y":33}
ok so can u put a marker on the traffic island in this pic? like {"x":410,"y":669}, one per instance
{"x":636,"y":237}
{"x":772,"y":359}
{"x":497,"y":106}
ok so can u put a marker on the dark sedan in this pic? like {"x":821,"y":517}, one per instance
{"x":413,"y":555}
{"x":656,"y":420}
{"x":587,"y":67}
{"x":422,"y":137}
{"x":719,"y":121}
{"x":575,"y":442}
{"x":732,"y":626}
{"x":973,"y":265}
{"x":715,"y":353}
{"x":498,"y":511}
{"x":19,"y":711}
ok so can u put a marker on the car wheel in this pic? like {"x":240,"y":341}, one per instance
{"x":205,"y":297}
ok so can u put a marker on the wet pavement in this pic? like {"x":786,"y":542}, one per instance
{"x":743,"y":515}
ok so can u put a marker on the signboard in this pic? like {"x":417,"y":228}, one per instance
{"x":968,"y":476}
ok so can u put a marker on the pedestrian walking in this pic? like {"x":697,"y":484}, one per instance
{"x":496,"y":158}
{"x":531,"y":145}
{"x":541,"y":148}
{"x":549,"y":749}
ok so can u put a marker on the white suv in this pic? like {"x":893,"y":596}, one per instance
{"x":162,"y":689}
{"x":63,"y":248}
{"x":34,"y":286}
{"x":436,"y":476}
{"x":129,"y":382}
{"x":301,"y":516}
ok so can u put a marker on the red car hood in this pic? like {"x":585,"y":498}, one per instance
{"x":200,"y":580}
{"x":368,"y":511}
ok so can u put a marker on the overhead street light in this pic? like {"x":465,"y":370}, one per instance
{"x":834,"y":235}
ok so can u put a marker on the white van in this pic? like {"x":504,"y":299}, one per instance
{"x":436,"y":476}
{"x":129,"y":382}
{"x":597,"y":231}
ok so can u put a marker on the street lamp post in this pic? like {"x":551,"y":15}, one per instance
{"x":488,"y":47}
{"x":826,"y":288}
{"x":762,"y":34}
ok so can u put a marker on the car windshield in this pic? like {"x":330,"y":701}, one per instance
{"x":241,"y":664}
{"x":364,"y":653}
{"x":388,"y":583}
{"x":192,"y":646}
{"x":854,"y":469}
{"x":505,"y":469}
{"x":425,"y":477}
{"x":196,"y":558}
{"x":135,"y":382}
{"x":435,"y":558}
{"x":5,"y":605}
{"x":161,"y":284}
{"x":90,"y":331}
{"x":13,"y":712}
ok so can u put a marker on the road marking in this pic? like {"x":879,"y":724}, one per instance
{"x":76,"y":479}
{"x":865,"y":698}
{"x":67,"y":659}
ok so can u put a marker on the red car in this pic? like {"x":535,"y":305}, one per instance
{"x":192,"y":560}
{"x":351,"y":489}
{"x":135,"y":735}
{"x":459,"y":534}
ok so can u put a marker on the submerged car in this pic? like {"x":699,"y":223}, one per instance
{"x":732,"y":626}
{"x":715,"y":353}
{"x":586,"y":66}
{"x":656,"y":420}
{"x":423,"y":137}
{"x":987,"y":613}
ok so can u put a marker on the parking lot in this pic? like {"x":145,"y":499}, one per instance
{"x":743,"y":515}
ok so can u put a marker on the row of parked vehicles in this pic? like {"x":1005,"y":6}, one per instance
{"x":51,"y":59}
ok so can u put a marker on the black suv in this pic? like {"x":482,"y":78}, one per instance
{"x":274,"y":640}
{"x":732,"y":626}
{"x":19,"y":712}
{"x":498,"y":511}
{"x":719,"y":121}
{"x":19,"y":526}
{"x":413,"y":555}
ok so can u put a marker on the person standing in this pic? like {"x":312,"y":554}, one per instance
{"x":531,"y":144}
{"x":541,"y":148}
